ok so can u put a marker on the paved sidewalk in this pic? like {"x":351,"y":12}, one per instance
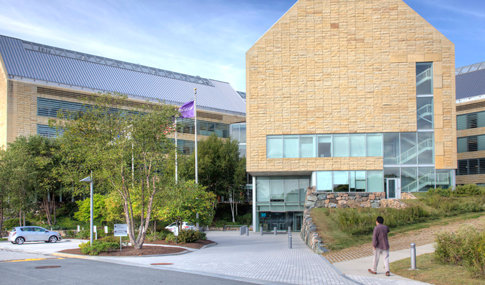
{"x":253,"y":258}
{"x":258,"y":257}
{"x":401,"y":241}
{"x":358,"y":267}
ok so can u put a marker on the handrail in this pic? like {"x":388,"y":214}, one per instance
{"x":428,"y":143}
{"x":440,"y":177}
{"x":425,"y":75}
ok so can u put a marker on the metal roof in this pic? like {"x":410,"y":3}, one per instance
{"x":29,"y":61}
{"x":470,"y":83}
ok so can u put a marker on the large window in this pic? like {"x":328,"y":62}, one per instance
{"x":332,"y":145}
{"x":350,"y":181}
{"x":281,"y":193}
{"x":46,"y":131}
{"x":206,"y":128}
{"x":274,"y":146}
{"x":424,"y":78}
{"x":425,"y":113}
{"x":471,"y":143}
{"x":470,"y":121}
{"x":471,"y":166}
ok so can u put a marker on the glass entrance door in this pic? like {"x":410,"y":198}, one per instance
{"x":393,"y":188}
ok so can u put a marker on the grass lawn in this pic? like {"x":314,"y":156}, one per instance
{"x":336,"y":239}
{"x":431,"y":272}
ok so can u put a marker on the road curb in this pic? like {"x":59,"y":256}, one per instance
{"x":95,"y":257}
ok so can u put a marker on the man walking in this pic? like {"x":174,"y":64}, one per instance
{"x":381,"y":245}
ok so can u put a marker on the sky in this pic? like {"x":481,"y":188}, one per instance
{"x":208,"y":38}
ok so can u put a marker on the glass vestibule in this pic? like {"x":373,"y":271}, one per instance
{"x":280,"y":220}
{"x":283,"y":193}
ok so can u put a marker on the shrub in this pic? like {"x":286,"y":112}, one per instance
{"x":466,"y":247}
{"x":84,"y":234}
{"x":439,"y":191}
{"x":170,"y":238}
{"x":186,"y":236}
{"x":111,"y":239}
{"x":363,"y":220}
{"x":11,"y":223}
{"x":98,"y":246}
{"x":469,"y":190}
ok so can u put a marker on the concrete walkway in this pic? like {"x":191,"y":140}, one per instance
{"x":358,"y":267}
{"x":254,"y":258}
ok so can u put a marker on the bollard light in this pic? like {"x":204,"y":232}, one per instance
{"x":413,"y":256}
{"x":261,"y":229}
{"x":290,"y":241}
{"x":275,"y":232}
{"x":247,"y":231}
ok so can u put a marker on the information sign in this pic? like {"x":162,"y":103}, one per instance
{"x":120,"y":230}
{"x":176,"y":231}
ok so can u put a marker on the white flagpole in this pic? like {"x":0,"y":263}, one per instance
{"x":176,"y":150}
{"x":195,"y":122}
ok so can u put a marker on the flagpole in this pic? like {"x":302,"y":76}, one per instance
{"x":195,"y":122}
{"x":176,"y":150}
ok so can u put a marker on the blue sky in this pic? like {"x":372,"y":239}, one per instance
{"x":208,"y":38}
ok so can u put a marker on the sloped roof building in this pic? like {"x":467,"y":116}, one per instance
{"x":34,"y":75}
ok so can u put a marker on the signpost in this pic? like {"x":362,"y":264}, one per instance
{"x":106,"y":230}
{"x":120,"y":230}
{"x":176,"y":233}
{"x":95,"y":232}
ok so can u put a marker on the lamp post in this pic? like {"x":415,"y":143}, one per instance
{"x":90,"y":180}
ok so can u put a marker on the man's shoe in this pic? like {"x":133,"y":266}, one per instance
{"x":371,"y":272}
{"x":388,"y":273}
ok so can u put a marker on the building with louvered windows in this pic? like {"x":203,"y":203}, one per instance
{"x":470,"y":111}
{"x":36,"y":81}
{"x":344,"y":97}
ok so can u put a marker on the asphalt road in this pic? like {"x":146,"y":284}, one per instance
{"x":20,"y":268}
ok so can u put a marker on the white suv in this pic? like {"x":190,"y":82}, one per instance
{"x":19,"y":235}
{"x":185,"y":226}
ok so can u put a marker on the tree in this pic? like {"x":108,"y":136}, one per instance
{"x":221,"y":169}
{"x":188,"y":199}
{"x":17,"y":176}
{"x":99,"y":209}
{"x":126,"y":149}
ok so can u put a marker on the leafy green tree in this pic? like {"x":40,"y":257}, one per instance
{"x":187,"y":200}
{"x":99,"y":209}
{"x":17,"y":176}
{"x":126,"y":149}
{"x":221,"y":169}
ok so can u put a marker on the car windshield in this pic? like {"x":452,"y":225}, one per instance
{"x":172,"y":225}
{"x":14,"y":230}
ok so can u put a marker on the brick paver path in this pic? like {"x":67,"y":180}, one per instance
{"x":401,"y":241}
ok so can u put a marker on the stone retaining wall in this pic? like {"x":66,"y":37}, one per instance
{"x":341,"y":200}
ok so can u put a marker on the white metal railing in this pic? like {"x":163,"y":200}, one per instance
{"x":427,"y":180}
{"x":423,"y":76}
{"x":428,"y":110}
{"x":411,"y":153}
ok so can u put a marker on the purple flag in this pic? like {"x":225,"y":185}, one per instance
{"x":187,"y":110}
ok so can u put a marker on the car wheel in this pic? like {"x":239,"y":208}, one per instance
{"x":12,"y":242}
{"x":19,"y":240}
{"x":53,"y":239}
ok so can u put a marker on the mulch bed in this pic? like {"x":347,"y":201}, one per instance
{"x":130,"y":251}
{"x":196,"y":245}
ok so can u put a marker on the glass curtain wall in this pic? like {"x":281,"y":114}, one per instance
{"x":332,"y":145}
{"x":350,"y":181}
{"x":285,"y":193}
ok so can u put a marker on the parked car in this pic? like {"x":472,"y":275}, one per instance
{"x":19,"y":235}
{"x":185,"y":226}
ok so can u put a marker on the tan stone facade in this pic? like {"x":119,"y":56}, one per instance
{"x":3,"y":103}
{"x":330,"y":66}
{"x":21,"y":119}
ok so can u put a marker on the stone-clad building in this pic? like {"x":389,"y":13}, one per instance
{"x":470,"y":110}
{"x":348,"y":96}
{"x":36,"y":81}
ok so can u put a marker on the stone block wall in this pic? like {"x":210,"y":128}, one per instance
{"x":341,"y":200}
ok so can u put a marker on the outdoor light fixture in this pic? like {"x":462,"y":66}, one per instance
{"x":89,"y":180}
